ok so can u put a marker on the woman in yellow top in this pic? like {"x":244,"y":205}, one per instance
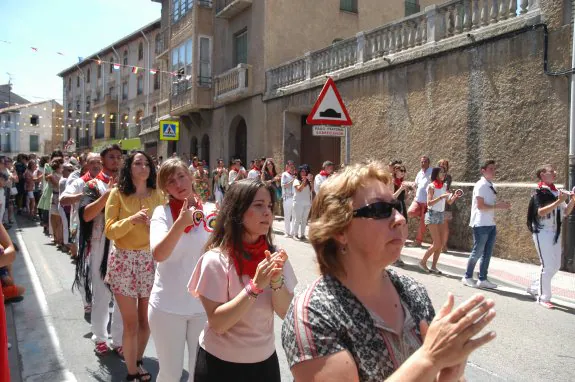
{"x":130,"y":272}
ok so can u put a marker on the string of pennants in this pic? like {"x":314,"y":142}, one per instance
{"x":115,"y":65}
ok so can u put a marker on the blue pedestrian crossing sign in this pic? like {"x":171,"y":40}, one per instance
{"x":169,"y":130}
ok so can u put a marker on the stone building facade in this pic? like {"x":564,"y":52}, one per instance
{"x":31,"y":128}
{"x":236,"y":41}
{"x":103,"y":104}
{"x":463,"y":81}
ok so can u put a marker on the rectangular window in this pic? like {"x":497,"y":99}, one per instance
{"x":113,"y":124}
{"x":34,"y":143}
{"x":205,"y":73}
{"x":88,"y":102}
{"x":8,"y":143}
{"x":99,"y":71}
{"x":100,"y":128}
{"x":140,"y":85}
{"x":188,"y":56}
{"x":111,"y":64}
{"x":241,"y":48}
{"x":78,"y":111}
{"x":34,"y":120}
{"x":125,"y":91}
{"x":157,"y":81}
{"x":78,"y":81}
{"x":348,"y":5}
{"x":69,"y":110}
{"x":411,"y":7}
{"x":180,"y":8}
{"x":88,"y":75}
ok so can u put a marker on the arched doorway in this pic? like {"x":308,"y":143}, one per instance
{"x":193,"y":147}
{"x":238,"y":139}
{"x":206,"y":148}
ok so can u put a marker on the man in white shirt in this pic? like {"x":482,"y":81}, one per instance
{"x":327,"y":170}
{"x":237,"y":172}
{"x":255,"y":172}
{"x":419,"y":206}
{"x":482,"y":221}
{"x":288,"y":176}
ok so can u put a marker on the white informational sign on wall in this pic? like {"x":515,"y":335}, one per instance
{"x":328,"y":131}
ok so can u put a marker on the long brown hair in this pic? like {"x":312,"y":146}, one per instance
{"x":229,"y":229}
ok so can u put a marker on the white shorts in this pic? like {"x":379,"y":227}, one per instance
{"x":30,"y":194}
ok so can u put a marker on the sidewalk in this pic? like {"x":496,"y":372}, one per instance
{"x":501,"y":271}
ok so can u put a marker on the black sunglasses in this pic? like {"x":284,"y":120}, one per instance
{"x":378,"y":210}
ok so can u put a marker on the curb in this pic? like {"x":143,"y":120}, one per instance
{"x":413,"y":260}
{"x":454,"y":270}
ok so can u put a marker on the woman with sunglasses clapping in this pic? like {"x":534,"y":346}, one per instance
{"x":437,"y":198}
{"x":360,"y":321}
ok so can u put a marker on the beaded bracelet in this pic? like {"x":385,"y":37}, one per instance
{"x":252,"y":290}
{"x":277,"y":285}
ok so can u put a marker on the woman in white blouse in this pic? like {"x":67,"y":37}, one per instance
{"x":178,"y":232}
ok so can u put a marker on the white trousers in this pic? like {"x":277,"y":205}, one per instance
{"x":288,"y":213}
{"x":65,"y":231}
{"x":219,"y":195}
{"x":101,"y":298}
{"x":550,"y":256}
{"x":300,"y":215}
{"x":170,"y":333}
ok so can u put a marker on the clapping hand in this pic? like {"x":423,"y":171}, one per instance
{"x":140,"y":217}
{"x":448,"y":340}
{"x":267,"y":269}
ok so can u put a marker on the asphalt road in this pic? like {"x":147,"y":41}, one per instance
{"x":533,"y":344}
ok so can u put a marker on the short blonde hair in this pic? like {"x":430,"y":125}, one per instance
{"x":332,"y":211}
{"x":169,"y":168}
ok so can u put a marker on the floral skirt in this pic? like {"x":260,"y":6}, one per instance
{"x":130,"y":272}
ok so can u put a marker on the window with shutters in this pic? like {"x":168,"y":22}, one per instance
{"x":140,"y":51}
{"x":348,"y":5}
{"x":34,"y":143}
{"x":411,"y":7}
{"x":205,"y":67}
{"x":241,"y":47}
{"x":140,"y":88}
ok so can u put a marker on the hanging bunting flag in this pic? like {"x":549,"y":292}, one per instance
{"x":34,"y":49}
{"x":116,"y":66}
{"x":153,"y":71}
{"x":135,"y":69}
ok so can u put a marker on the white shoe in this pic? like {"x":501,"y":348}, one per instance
{"x":288,"y":236}
{"x":532,"y":293}
{"x":486,"y":284}
{"x":469,"y":282}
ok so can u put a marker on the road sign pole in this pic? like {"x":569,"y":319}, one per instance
{"x":347,"y":145}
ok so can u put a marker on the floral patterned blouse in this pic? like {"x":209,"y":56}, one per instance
{"x":327,"y":318}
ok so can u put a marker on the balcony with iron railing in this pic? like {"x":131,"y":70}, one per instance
{"x":233,"y":85}
{"x":455,"y":23}
{"x":226,"y":9}
{"x":106,"y":100}
{"x":182,"y":95}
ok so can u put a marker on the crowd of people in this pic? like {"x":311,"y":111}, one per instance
{"x":187,"y":255}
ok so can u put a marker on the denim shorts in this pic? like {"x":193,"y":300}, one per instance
{"x":434,"y":217}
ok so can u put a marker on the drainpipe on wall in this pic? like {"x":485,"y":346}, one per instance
{"x":570,"y":244}
{"x":147,"y":74}
{"x":119,"y":86}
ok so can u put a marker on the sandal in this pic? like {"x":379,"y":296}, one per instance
{"x":119,"y":350}
{"x":144,"y":375}
{"x":101,"y":348}
{"x":436,"y":271}
{"x":424,"y":269}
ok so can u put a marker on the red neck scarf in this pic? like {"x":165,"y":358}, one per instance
{"x":104,"y":177}
{"x":438,"y":184}
{"x":324,"y":173}
{"x":398,"y":181}
{"x":86,"y":177}
{"x":550,"y":186}
{"x":176,"y":207}
{"x":247,"y":262}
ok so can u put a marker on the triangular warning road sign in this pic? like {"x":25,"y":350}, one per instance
{"x":329,"y":108}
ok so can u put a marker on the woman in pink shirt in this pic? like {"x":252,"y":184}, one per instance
{"x":242,"y":280}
